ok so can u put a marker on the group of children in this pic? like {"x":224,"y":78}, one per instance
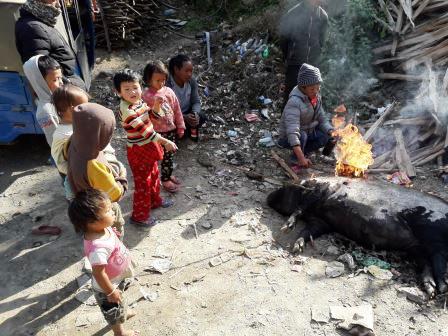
{"x":80,"y":132}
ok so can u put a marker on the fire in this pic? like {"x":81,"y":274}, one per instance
{"x":353,"y":153}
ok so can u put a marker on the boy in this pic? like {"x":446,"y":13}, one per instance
{"x":304,"y":126}
{"x":143,"y":147}
{"x":91,"y":214}
{"x":45,"y":76}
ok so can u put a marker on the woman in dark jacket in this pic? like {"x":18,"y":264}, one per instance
{"x":36,"y":35}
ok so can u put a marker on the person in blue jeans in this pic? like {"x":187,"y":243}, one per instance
{"x":304,"y":125}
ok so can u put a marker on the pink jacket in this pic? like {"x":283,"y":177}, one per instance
{"x":173,"y":119}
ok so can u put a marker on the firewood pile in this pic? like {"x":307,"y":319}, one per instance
{"x":404,"y":142}
{"x":419,"y":31}
{"x":124,"y":21}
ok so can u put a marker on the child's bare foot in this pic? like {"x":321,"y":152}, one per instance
{"x":175,"y":180}
{"x":170,"y":186}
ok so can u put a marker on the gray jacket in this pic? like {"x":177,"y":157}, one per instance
{"x":299,"y":115}
{"x":188,"y":96}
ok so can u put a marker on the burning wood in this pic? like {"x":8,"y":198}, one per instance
{"x":353,"y":153}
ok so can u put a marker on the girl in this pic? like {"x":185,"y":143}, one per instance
{"x":91,"y":214}
{"x":93,"y":126}
{"x":166,"y":118}
{"x":144,"y":148}
{"x":186,"y":88}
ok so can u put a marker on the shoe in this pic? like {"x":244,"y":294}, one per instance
{"x":167,"y":202}
{"x":151,"y":221}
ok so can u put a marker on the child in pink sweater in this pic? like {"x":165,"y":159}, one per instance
{"x":166,"y":117}
{"x":91,"y":214}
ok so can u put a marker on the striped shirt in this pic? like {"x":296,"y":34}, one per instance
{"x":135,"y":121}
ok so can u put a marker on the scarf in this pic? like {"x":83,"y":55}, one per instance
{"x":45,"y":13}
{"x":93,"y":126}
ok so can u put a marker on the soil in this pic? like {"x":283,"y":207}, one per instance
{"x":255,"y":287}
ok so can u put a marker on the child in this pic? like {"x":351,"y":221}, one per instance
{"x":65,"y":99}
{"x":143,"y":147}
{"x":45,"y":76}
{"x":166,"y":118}
{"x":93,"y":127}
{"x":304,"y":126}
{"x":183,"y":83}
{"x":91,"y":214}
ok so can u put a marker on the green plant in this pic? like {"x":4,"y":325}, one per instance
{"x":347,"y":55}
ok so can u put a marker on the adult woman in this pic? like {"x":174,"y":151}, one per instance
{"x":36,"y":35}
{"x":185,"y":86}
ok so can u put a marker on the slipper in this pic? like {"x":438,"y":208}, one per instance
{"x":175,"y":180}
{"x":47,"y":229}
{"x":151,"y":221}
{"x":167,"y":202}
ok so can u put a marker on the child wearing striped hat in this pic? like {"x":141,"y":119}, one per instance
{"x":304,"y":126}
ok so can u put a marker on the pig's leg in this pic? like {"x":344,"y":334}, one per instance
{"x":428,"y":281}
{"x":438,"y":262}
{"x":315,"y":227}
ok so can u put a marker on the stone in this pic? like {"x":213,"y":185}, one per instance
{"x":159,"y":266}
{"x":207,"y":225}
{"x":350,"y":316}
{"x":347,"y":259}
{"x":379,"y":273}
{"x":413,"y":294}
{"x":216,"y":261}
{"x":334,"y":269}
{"x":320,"y":314}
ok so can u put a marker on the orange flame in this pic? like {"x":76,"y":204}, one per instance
{"x":353,"y":153}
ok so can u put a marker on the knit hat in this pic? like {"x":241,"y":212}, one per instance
{"x":308,"y":75}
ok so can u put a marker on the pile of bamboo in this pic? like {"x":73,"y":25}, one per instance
{"x":420,"y":30}
{"x":124,"y":21}
{"x":415,"y":141}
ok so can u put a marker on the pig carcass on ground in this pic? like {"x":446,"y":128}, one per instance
{"x":374,"y":214}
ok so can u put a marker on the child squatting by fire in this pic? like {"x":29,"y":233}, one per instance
{"x":304,"y":126}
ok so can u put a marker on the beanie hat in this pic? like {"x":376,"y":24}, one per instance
{"x":308,"y":75}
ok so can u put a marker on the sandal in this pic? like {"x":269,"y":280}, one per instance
{"x":151,"y":221}
{"x":47,"y":229}
{"x":171,"y":187}
{"x":167,"y":202}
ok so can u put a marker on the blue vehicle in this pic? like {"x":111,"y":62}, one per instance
{"x":17,"y":105}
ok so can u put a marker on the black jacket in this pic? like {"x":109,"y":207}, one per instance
{"x":303,"y":30}
{"x":34,"y":37}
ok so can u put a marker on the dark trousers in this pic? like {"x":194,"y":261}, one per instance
{"x":167,"y":164}
{"x":292,"y":71}
{"x":309,"y":142}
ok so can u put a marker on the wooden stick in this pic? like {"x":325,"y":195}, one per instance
{"x":106,"y":29}
{"x":372,"y":130}
{"x":402,"y":156}
{"x":429,"y":158}
{"x":283,"y":164}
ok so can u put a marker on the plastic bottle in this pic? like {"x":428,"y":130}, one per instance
{"x":265,"y":53}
